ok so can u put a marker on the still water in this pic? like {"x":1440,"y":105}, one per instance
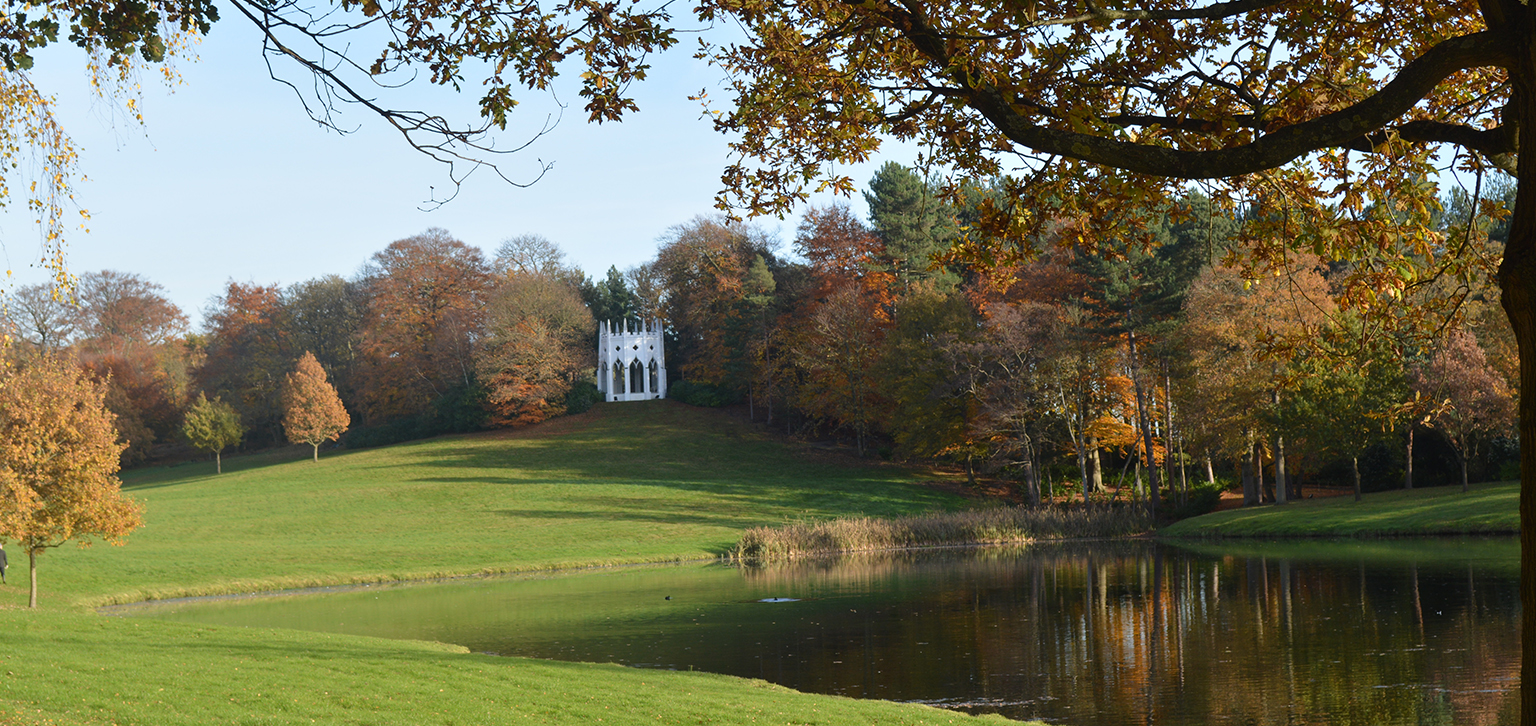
{"x":1111,"y":633}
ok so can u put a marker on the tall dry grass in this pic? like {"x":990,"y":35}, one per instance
{"x":977,"y":526}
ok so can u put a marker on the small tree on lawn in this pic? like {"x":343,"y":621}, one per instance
{"x":312,"y":412}
{"x":58,"y":462}
{"x":212,"y":426}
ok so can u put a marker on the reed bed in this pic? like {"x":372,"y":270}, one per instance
{"x":970,"y":527}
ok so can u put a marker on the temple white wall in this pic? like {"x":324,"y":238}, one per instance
{"x":631,"y":364}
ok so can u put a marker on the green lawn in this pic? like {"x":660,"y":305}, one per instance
{"x":642,"y":482}
{"x":1486,"y":509}
{"x":72,"y":668}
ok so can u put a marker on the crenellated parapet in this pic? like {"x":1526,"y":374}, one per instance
{"x":631,"y":364}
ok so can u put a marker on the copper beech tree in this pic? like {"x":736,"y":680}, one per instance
{"x":58,"y":462}
{"x":312,"y":412}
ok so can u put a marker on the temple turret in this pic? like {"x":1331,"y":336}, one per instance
{"x":631,"y":365}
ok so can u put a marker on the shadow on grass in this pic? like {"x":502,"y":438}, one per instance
{"x":654,"y":443}
{"x":662,"y":442}
{"x":155,"y":477}
{"x":643,"y":509}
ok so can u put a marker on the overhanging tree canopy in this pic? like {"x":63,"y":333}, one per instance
{"x":1325,"y":114}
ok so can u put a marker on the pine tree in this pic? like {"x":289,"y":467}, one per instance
{"x":312,"y":412}
{"x":912,"y":222}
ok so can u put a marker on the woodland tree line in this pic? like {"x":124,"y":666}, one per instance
{"x":1060,"y":372}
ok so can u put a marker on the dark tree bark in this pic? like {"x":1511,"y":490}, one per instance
{"x":1517,"y":282}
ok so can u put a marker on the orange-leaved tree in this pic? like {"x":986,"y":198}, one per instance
{"x":312,"y":412}
{"x":538,"y":342}
{"x":426,"y":307}
{"x":58,"y":461}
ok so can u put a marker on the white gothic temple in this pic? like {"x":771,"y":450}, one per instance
{"x":630,"y":363}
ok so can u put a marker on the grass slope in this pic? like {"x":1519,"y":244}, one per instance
{"x":73,"y":668}
{"x":630,"y":483}
{"x":638,"y":482}
{"x":1486,"y":509}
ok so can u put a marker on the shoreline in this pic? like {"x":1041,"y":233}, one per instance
{"x":119,"y":608}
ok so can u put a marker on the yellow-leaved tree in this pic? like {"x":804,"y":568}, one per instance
{"x":312,"y":412}
{"x":58,"y":461}
{"x":212,"y":426}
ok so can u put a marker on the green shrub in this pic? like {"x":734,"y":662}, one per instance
{"x":581,"y":397}
{"x":460,"y":410}
{"x":700,"y":394}
{"x":1203,"y":498}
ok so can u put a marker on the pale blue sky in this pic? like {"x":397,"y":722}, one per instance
{"x":229,"y":179}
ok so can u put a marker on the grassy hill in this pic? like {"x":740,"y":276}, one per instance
{"x":1486,"y":509}
{"x":641,"y":482}
{"x":637,"y":482}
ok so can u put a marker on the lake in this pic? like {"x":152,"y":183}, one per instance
{"x":1104,"y":633}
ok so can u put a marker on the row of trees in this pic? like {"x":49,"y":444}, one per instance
{"x":430,"y":337}
{"x":1115,"y":364}
{"x":1100,"y":361}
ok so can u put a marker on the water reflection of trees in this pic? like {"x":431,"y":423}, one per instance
{"x":1117,"y":635}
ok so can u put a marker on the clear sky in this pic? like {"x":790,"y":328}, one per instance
{"x":229,"y":179}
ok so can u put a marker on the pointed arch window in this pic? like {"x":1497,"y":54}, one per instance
{"x":636,"y":377}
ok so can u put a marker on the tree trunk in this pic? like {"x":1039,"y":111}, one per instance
{"x":1354,"y":463}
{"x":1258,"y":473}
{"x":1082,"y":467}
{"x":1210,"y":470}
{"x":1462,"y":459}
{"x":1408,"y":467}
{"x":1183,"y":479}
{"x":1281,"y":495}
{"x":1145,"y":412}
{"x":1031,"y":488}
{"x":32,"y":566}
{"x":1168,"y":431}
{"x":1098,"y":464}
{"x":218,"y":463}
{"x":1250,"y":496}
{"x":317,"y":451}
{"x":1517,"y":283}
